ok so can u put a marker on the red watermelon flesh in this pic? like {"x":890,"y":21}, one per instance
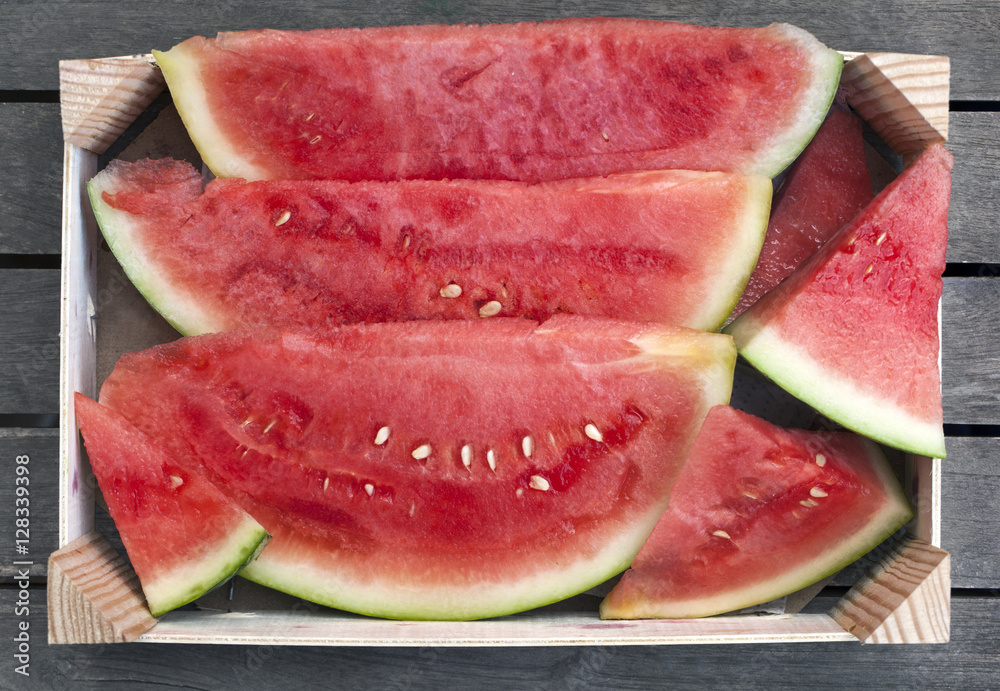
{"x":552,"y":100}
{"x":436,"y":470}
{"x":759,"y":512}
{"x":824,"y":189}
{"x":183,"y":536}
{"x":854,"y":331}
{"x":668,"y":246}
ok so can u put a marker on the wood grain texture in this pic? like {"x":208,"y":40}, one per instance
{"x":970,"y":519}
{"x":974,"y":215}
{"x":966,"y":32}
{"x":41,"y":447}
{"x":29,"y":341}
{"x":904,"y":98}
{"x":970,"y":662}
{"x":970,"y":357}
{"x":29,"y":199}
{"x":94,"y":595}
{"x":99,"y":98}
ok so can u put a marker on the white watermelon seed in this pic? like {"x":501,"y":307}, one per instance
{"x":406,"y":241}
{"x":820,"y":460}
{"x":722,"y":533}
{"x":527,"y":446}
{"x":316,"y":139}
{"x":880,"y":240}
{"x":552,"y":439}
{"x":491,"y":458}
{"x":452,"y":290}
{"x":247,"y":421}
{"x":381,"y":436}
{"x":311,"y":115}
{"x":413,"y":507}
{"x":869,"y":269}
{"x":326,"y":483}
{"x":370,"y":489}
{"x":809,"y":502}
{"x":175,"y":482}
{"x":817,"y":492}
{"x":283,"y":218}
{"x":538,"y":482}
{"x":422,"y":452}
{"x":271,"y":424}
{"x":591,"y":431}
{"x":467,"y":455}
{"x":519,"y":492}
{"x":490,"y":309}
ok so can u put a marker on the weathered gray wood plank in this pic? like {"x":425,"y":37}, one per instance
{"x":970,"y":520}
{"x":31,"y":193}
{"x":971,"y":661}
{"x":41,"y":501}
{"x":29,"y":341}
{"x":974,"y":215}
{"x":39,"y":32}
{"x":970,"y":356}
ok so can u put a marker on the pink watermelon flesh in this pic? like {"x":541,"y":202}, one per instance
{"x":759,"y":512}
{"x":854,"y":331}
{"x":824,"y":189}
{"x":553,"y":100}
{"x":519,"y":464}
{"x":182,"y":535}
{"x":669,"y":246}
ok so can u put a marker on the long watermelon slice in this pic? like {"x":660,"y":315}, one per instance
{"x":759,"y":512}
{"x":669,"y":246}
{"x":182,"y":535}
{"x":437,"y":470}
{"x":824,"y":189}
{"x":552,"y":100}
{"x":854,"y":331}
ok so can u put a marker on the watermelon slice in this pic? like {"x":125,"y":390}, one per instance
{"x":759,"y":512}
{"x":854,"y":331}
{"x":824,"y":189}
{"x":182,"y":535}
{"x":669,"y":246}
{"x":552,"y":100}
{"x":439,"y":469}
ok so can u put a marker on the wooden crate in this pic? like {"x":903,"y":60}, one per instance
{"x":94,"y":596}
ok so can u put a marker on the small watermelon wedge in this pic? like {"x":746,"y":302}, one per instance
{"x":436,"y":469}
{"x":759,"y":512}
{"x":531,"y":101}
{"x":182,"y":535}
{"x":674,"y":247}
{"x":854,"y":331}
{"x":823,"y":190}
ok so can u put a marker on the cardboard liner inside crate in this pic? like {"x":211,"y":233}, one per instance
{"x":93,"y":593}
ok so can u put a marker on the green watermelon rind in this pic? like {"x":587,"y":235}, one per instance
{"x":181,"y":69}
{"x":187,"y":582}
{"x":895,"y":513}
{"x":832,"y":395}
{"x":713,"y":355}
{"x":183,"y":310}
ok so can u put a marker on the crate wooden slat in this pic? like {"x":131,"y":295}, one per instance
{"x":883,"y":83}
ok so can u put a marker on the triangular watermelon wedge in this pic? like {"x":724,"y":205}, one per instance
{"x":182,"y":535}
{"x":854,"y":331}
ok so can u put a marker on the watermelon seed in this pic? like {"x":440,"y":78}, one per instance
{"x":316,"y":139}
{"x":413,"y":507}
{"x":880,"y":240}
{"x":270,"y":425}
{"x":311,"y":115}
{"x":820,"y":460}
{"x":519,"y":492}
{"x":175,"y":482}
{"x":606,"y":137}
{"x":326,"y":483}
{"x":591,"y":431}
{"x":809,"y":503}
{"x":491,"y":458}
{"x":452,"y":290}
{"x":467,"y":455}
{"x":722,"y":533}
{"x":490,"y":309}
{"x":527,"y":446}
{"x":406,"y":241}
{"x":381,"y":436}
{"x":869,"y":269}
{"x":247,"y":422}
{"x":422,"y":452}
{"x":283,"y":218}
{"x":817,"y":492}
{"x":370,"y":489}
{"x":538,"y":482}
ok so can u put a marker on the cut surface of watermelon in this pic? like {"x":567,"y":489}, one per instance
{"x":437,"y":470}
{"x":854,"y":331}
{"x":552,"y":100}
{"x":669,"y":246}
{"x":182,"y":535}
{"x":759,"y":512}
{"x":823,"y":190}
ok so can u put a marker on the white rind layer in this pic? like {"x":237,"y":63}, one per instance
{"x":837,"y":398}
{"x":194,"y":578}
